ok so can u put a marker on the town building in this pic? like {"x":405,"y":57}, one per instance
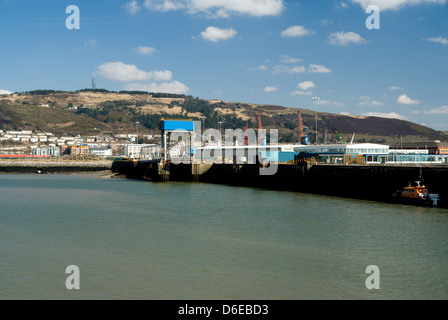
{"x":133,"y":150}
{"x":100,"y":151}
{"x":79,"y":150}
{"x":46,"y":151}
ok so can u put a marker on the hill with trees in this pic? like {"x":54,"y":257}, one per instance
{"x":105,"y":112}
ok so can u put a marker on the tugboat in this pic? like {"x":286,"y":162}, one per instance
{"x":417,"y":195}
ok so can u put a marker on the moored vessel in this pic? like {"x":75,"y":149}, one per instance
{"x":417,"y":195}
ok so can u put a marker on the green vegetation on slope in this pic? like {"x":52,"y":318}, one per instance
{"x":108,"y":112}
{"x":28,"y":117}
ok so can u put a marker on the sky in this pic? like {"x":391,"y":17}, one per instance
{"x":391,"y":61}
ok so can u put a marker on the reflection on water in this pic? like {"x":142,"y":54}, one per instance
{"x":142,"y":240}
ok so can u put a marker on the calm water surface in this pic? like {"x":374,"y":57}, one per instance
{"x":142,"y":240}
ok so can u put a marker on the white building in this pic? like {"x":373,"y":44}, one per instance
{"x":103,"y":152}
{"x":46,"y":151}
{"x":133,"y":150}
{"x":121,"y":136}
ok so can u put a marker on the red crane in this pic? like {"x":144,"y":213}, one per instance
{"x":300,"y":125}
{"x":260,"y":132}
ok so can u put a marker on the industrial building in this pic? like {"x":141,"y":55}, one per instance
{"x":367,"y":153}
{"x":419,"y":147}
{"x":346,"y":153}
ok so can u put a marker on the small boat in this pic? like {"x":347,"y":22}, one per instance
{"x":417,"y":195}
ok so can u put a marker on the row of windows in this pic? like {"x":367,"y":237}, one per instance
{"x":348,"y":151}
{"x":368,"y":151}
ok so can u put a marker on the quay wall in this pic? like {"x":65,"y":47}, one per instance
{"x":371,"y":182}
{"x":53,"y":166}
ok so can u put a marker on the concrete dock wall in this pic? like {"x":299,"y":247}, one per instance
{"x":376,"y":183}
{"x":53,"y":166}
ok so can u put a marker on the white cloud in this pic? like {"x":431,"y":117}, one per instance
{"x":329,"y":103}
{"x":344,"y":113}
{"x":367,"y":101}
{"x":259,"y":68}
{"x":296,"y":31}
{"x":325,"y":22}
{"x":440,"y":110}
{"x":165,"y":87}
{"x":395,"y":88}
{"x":287,"y":59}
{"x":341,"y":5}
{"x":342,"y":38}
{"x":394,"y":4}
{"x":118,"y":71}
{"x":220,"y":8}
{"x":215,"y":34}
{"x":318,"y":68}
{"x":270,"y":89}
{"x":305,"y":85}
{"x":90,"y":43}
{"x":288,"y":69}
{"x":440,"y":40}
{"x":145,"y":51}
{"x":404,"y":99}
{"x":300,"y":93}
{"x":312,"y":68}
{"x":132,"y":7}
{"x":391,"y":115}
{"x":164,"y":5}
{"x":4,"y":92}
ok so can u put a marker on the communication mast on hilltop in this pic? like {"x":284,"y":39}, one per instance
{"x":93,"y":82}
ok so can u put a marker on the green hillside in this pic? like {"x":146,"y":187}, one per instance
{"x":101,"y":112}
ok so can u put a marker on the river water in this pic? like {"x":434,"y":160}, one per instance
{"x":141,"y":240}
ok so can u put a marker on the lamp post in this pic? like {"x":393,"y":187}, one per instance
{"x":202,"y":131}
{"x":217,"y":109}
{"x":137,"y":123}
{"x":315,"y":98}
{"x":401,"y":142}
{"x":220,"y":133}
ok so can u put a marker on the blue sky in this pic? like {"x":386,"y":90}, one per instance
{"x":256,"y":51}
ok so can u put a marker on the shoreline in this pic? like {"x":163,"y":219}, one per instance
{"x":101,"y":174}
{"x":97,"y":168}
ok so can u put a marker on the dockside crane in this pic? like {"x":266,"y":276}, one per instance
{"x":353,"y":138}
{"x":303,"y":135}
{"x":261,"y":137}
{"x":339,"y":136}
